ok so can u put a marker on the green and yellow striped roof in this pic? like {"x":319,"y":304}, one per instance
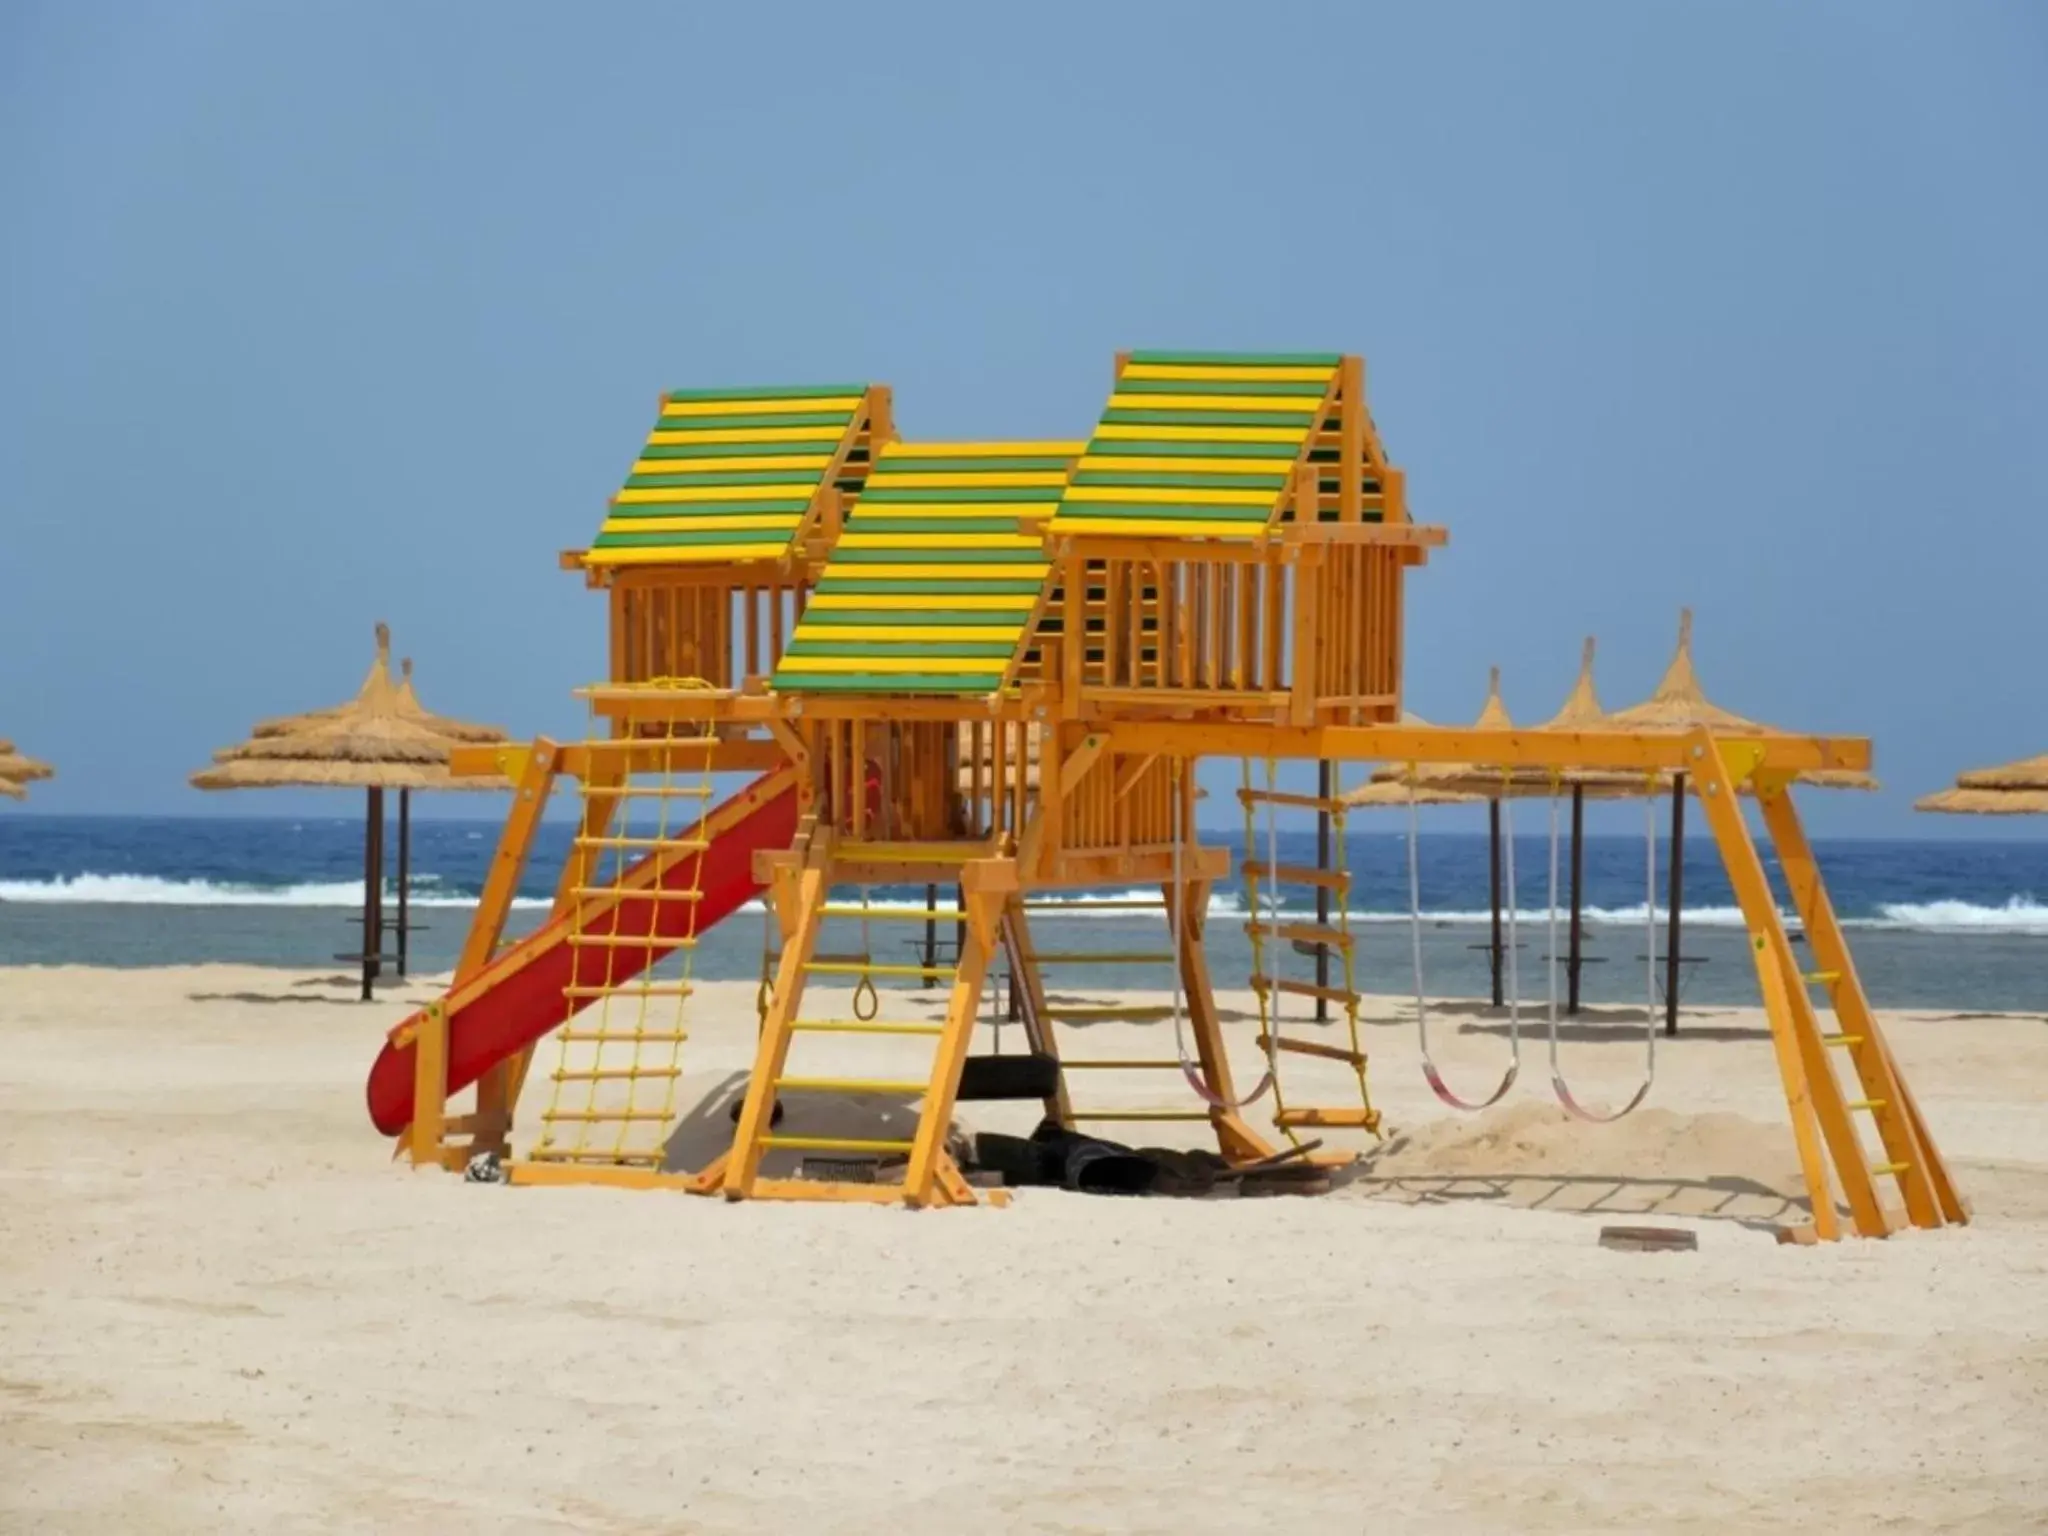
{"x":731,"y":474}
{"x":1198,"y":444}
{"x":937,"y":574}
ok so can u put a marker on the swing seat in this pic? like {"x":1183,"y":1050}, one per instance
{"x":989,"y":1079}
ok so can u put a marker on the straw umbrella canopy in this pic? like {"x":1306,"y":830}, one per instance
{"x":2010,"y":789}
{"x":1986,"y":802}
{"x":2029,"y":773}
{"x":373,"y":743}
{"x":20,"y":768}
{"x":11,"y":790}
{"x":1679,"y":704}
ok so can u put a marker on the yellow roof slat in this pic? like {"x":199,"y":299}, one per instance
{"x":677,"y":409}
{"x":794,"y":490}
{"x":747,"y":435}
{"x":1149,"y":527}
{"x":938,"y":541}
{"x":982,"y":450}
{"x":1112,"y":430}
{"x":884,"y":479}
{"x":791,"y":461}
{"x":1022,"y":570}
{"x":965,"y":602}
{"x":1305,"y":405}
{"x":1222,"y":373}
{"x":1188,"y":466}
{"x":709,"y":523}
{"x":881,"y":661}
{"x":696,"y":554}
{"x":1173,"y":495}
{"x":812,"y":629}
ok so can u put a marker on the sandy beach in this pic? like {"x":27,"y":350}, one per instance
{"x":226,"y":1309}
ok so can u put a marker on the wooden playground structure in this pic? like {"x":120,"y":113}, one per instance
{"x":994,"y":668}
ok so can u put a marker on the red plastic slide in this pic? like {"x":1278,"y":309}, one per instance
{"x":518,"y":997}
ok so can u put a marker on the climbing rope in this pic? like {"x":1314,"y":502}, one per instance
{"x":867,"y":1002}
{"x":611,"y":1034}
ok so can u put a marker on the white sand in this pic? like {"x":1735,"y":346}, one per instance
{"x":223,"y":1308}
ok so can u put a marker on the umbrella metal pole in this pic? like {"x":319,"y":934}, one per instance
{"x":931,"y":932}
{"x":1493,"y":876}
{"x":1671,"y":931}
{"x":1323,"y":891}
{"x":373,"y":886}
{"x":1571,"y":1005}
{"x":404,"y":877}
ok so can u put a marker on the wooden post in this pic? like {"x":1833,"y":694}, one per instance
{"x":1573,"y":965}
{"x":1323,"y":891}
{"x":1672,"y":922}
{"x":373,"y":887}
{"x":1930,"y":1194}
{"x":1493,"y":880}
{"x":1812,"y":1094}
{"x":984,"y":914}
{"x":404,"y":879}
{"x":429,"y":1088}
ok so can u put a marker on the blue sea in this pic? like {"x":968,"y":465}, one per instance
{"x":1961,"y":925}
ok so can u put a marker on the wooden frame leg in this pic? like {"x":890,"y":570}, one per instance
{"x":1811,"y":1092}
{"x":984,"y":919}
{"x":1235,"y":1139}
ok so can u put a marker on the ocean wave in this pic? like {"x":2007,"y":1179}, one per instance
{"x":155,"y":891}
{"x":2018,"y":914}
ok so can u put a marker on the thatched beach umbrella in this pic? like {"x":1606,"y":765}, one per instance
{"x":18,"y":768}
{"x":1679,"y":704}
{"x":1986,"y":802}
{"x":371,"y":743}
{"x":11,"y":790}
{"x":2029,"y":773}
{"x":2011,"y":789}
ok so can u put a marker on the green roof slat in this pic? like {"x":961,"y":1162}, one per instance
{"x":886,"y":682}
{"x":857,"y":618}
{"x":768,"y":506}
{"x":1122,"y":416}
{"x":801,"y":477}
{"x":874,"y":647}
{"x":688,"y":451}
{"x":1165,"y":512}
{"x":1129,"y":447}
{"x":838,"y":419}
{"x":998,"y":493}
{"x":695,"y":538}
{"x":921,"y":466}
{"x":1308,"y":388}
{"x":1031,"y":556}
{"x":1272,"y":482}
{"x":1242,"y":359}
{"x":769,"y":392}
{"x":922,"y":586}
{"x":969,"y":526}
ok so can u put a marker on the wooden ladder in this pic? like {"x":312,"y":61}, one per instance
{"x":803,"y":903}
{"x":1824,"y":1124}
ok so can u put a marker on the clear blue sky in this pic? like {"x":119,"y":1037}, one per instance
{"x":319,"y":314}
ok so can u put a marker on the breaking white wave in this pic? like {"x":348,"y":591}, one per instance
{"x":155,"y":891}
{"x":2019,"y":914}
{"x":2016,"y":915}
